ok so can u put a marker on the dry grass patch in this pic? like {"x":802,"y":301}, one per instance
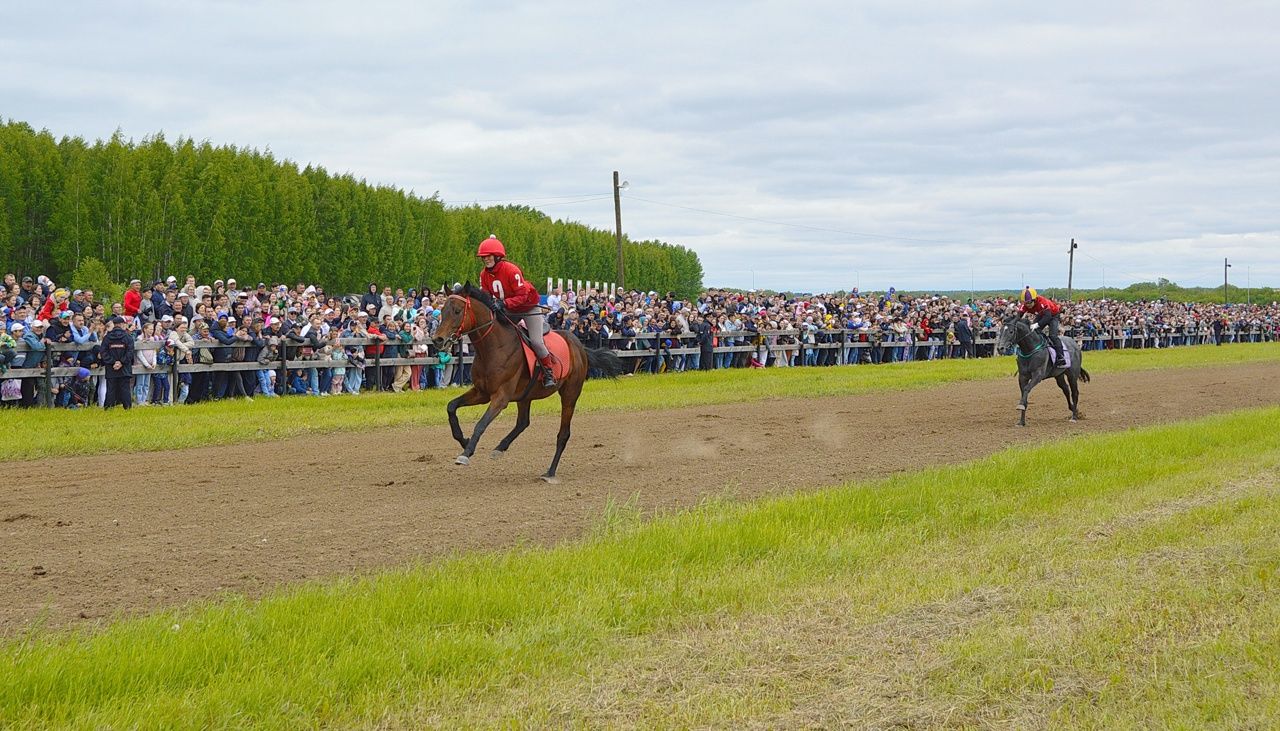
{"x":970,"y":639}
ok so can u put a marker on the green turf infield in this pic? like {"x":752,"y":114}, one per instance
{"x":92,"y":431}
{"x":1138,"y":589}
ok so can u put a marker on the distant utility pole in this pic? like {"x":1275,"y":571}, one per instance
{"x":1071,"y":266}
{"x":1225,"y":267}
{"x":617,"y":215}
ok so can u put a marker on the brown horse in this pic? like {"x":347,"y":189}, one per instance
{"x":500,"y":375}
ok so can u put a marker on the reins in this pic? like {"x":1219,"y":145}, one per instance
{"x":1017,"y":346}
{"x":1017,"y":349}
{"x":462,"y":321}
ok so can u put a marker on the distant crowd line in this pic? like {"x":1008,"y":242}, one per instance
{"x":246,"y":332}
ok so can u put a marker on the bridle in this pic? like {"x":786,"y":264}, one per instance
{"x":468,"y":311}
{"x":1016,"y":345}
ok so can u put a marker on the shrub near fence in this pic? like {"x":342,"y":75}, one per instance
{"x":839,"y":347}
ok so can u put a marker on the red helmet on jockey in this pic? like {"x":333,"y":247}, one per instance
{"x":1029,"y":295}
{"x":492,"y":247}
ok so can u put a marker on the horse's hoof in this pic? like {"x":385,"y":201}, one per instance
{"x":497,"y":454}
{"x":549,"y":479}
{"x":1073,"y":420}
{"x":463,"y":460}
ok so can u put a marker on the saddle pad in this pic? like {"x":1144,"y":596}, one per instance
{"x":1062,"y":347}
{"x":559,"y":349}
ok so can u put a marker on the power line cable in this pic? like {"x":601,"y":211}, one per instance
{"x":843,"y":232}
{"x":583,"y":196}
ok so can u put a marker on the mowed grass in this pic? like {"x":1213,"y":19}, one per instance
{"x":93,"y":431}
{"x":1121,"y":581}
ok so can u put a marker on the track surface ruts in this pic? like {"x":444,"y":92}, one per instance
{"x":131,"y":533}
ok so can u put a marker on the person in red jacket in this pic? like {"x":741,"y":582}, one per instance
{"x":54,"y":305}
{"x":1046,"y":313}
{"x":133,"y":298}
{"x":516,"y":296}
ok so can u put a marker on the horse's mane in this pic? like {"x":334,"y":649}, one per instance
{"x":486,"y":299}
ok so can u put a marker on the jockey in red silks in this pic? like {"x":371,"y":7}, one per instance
{"x":516,"y":296}
{"x":1046,"y":313}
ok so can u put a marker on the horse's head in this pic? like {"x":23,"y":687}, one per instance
{"x":1012,"y":328}
{"x":466,"y":310}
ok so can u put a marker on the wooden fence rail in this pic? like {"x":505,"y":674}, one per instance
{"x":637,"y":346}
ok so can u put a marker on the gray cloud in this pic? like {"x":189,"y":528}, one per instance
{"x":886,"y":143}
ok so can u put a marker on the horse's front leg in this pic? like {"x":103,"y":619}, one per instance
{"x":473,"y":397}
{"x":496,"y":406}
{"x":1027,"y":383}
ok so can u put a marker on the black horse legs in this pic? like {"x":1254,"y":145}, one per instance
{"x":473,"y":397}
{"x":522,"y":421}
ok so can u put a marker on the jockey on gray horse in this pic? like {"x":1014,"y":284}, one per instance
{"x":1046,"y":322}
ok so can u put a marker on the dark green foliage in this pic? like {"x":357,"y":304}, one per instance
{"x":152,"y":209}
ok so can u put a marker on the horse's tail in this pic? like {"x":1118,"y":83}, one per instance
{"x":1084,"y":376}
{"x":605,"y":362}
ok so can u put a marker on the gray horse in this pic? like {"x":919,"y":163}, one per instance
{"x":1035,"y":364}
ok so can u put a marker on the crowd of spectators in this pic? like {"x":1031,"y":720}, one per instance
{"x":138,"y":340}
{"x":828,"y":329}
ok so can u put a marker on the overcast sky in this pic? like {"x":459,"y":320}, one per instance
{"x":796,"y":145}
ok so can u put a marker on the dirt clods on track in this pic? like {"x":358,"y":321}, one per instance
{"x":88,"y":538}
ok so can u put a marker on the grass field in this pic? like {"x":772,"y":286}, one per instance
{"x":1137,"y":590}
{"x":93,"y":431}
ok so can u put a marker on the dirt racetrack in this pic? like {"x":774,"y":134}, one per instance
{"x":86,"y":538}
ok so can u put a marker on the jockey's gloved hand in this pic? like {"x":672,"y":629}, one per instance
{"x":499,"y":305}
{"x":1035,"y":326}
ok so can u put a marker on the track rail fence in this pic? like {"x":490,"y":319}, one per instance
{"x":839,"y":346}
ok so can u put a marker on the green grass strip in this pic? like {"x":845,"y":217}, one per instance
{"x":1139,"y":584}
{"x":93,"y":431}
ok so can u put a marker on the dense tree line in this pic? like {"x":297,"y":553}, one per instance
{"x":151,"y":209}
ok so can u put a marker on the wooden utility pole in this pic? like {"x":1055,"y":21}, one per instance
{"x":617,"y":215}
{"x":1225,"y":267}
{"x":1071,"y":266}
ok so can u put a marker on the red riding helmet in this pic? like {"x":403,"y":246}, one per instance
{"x":491,"y":247}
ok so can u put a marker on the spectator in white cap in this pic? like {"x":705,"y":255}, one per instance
{"x":78,"y":301}
{"x":133,"y":298}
